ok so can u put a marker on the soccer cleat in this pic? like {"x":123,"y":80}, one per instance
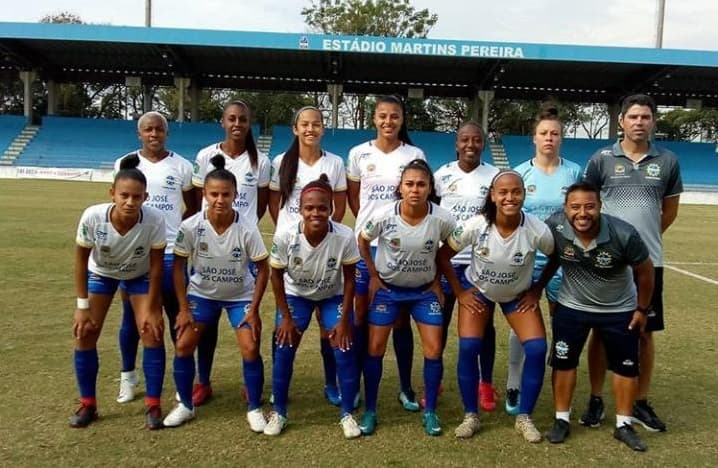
{"x":559,"y":431}
{"x":525,"y":426}
{"x":331,"y":393}
{"x":644,"y":415}
{"x":84,"y":415}
{"x":594,"y":413}
{"x":512,"y":401}
{"x":408,"y":401}
{"x":468,"y":427}
{"x":201,"y":394}
{"x":153,"y":417}
{"x":350,"y":427}
{"x":256,"y":420}
{"x":179,"y":415}
{"x":275,"y":425}
{"x":128,"y":386}
{"x":487,"y":397}
{"x":432,"y":425}
{"x":629,"y":436}
{"x":367,"y":426}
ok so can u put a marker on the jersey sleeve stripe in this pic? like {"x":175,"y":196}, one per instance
{"x":160,"y":245}
{"x":198,"y":184}
{"x":277,"y":265}
{"x":259,"y":258}
{"x":452,"y":243}
{"x":84,"y":244}
{"x":353,"y":179}
{"x":351,"y":261}
{"x":343,"y":188}
{"x":263,"y":185}
{"x":274,"y":187}
{"x":181,"y":253}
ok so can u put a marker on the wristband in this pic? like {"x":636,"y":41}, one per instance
{"x":83,"y":303}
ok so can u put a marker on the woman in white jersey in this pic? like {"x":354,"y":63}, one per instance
{"x":546,"y":177}
{"x":462,"y":186}
{"x":119,"y":244}
{"x":404,"y":276}
{"x":221,"y":245}
{"x":503,"y":242}
{"x":305,"y":161}
{"x":169,"y":186}
{"x":373,"y":174}
{"x":313,"y":262}
{"x":251,"y":169}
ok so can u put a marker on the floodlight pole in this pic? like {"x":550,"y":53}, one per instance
{"x":148,"y":13}
{"x":659,"y":23}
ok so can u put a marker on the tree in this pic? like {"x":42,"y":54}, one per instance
{"x":63,"y":17}
{"x":688,"y":124}
{"x":386,"y":18}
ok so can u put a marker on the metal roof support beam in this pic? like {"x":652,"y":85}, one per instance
{"x":51,"y":97}
{"x":28,"y":78}
{"x":181,"y":83}
{"x":194,"y":90}
{"x":486,"y":96}
{"x":614,"y":109}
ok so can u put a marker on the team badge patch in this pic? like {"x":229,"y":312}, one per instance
{"x":531,"y":188}
{"x":203,"y":247}
{"x":139,"y":252}
{"x":619,"y":169}
{"x":428,"y":246}
{"x":395,"y":243}
{"x":517,"y":259}
{"x":170,"y":181}
{"x":371,"y":168}
{"x":332,"y":262}
{"x":653,"y":170}
{"x":297,"y":262}
{"x":569,"y":251}
{"x":484,"y":190}
{"x":561,"y":349}
{"x":452,"y":187}
{"x":435,"y":308}
{"x":604,"y":259}
{"x":237,"y":253}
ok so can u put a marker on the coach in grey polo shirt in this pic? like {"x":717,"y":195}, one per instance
{"x":641,"y":184}
{"x":600,"y":255}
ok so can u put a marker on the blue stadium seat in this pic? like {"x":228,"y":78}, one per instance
{"x":10,"y":127}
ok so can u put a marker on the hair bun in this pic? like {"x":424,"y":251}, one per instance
{"x":218,"y":161}
{"x":548,"y":110}
{"x":130,"y":162}
{"x":323,"y":178}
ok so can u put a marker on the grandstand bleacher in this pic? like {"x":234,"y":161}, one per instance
{"x":10,"y":126}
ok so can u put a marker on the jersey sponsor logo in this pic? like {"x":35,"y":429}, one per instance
{"x":294,"y":248}
{"x":604,"y":260}
{"x":139,"y":252}
{"x":389,"y":228}
{"x":531,"y":188}
{"x":171,"y":181}
{"x":619,"y":169}
{"x":561,"y":349}
{"x":653,"y":170}
{"x":435,"y":308}
{"x":446,"y":178}
{"x":332,"y":263}
{"x":201,"y":231}
{"x":517,"y":259}
{"x":180,"y":236}
{"x":236,"y":254}
{"x":428,"y":246}
{"x":363,"y":156}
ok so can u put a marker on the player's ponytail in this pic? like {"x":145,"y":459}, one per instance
{"x":219,"y":172}
{"x":129,"y":170}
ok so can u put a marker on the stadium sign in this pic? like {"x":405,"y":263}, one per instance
{"x":421,"y":47}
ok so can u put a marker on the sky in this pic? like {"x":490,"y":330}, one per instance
{"x":689,"y":24}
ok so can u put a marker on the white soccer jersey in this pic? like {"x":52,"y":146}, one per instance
{"x":166,"y":180}
{"x":379,"y":174}
{"x":501,"y":268}
{"x":406,"y":255}
{"x":249,"y":179}
{"x":119,"y":256}
{"x":220,"y":262}
{"x":314,"y":273}
{"x":463,"y":194}
{"x":329,"y":164}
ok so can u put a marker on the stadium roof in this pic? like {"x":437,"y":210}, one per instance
{"x":308,"y":62}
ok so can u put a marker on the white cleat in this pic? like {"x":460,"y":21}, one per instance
{"x":178,"y":416}
{"x":128,"y":386}
{"x":468,"y":427}
{"x":350,"y":427}
{"x":256,"y":420}
{"x":275,"y":425}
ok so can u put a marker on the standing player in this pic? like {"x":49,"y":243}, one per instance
{"x":305,"y":161}
{"x":503,"y":241}
{"x":313,"y":263}
{"x":221,"y":244}
{"x":169,"y":185}
{"x":462,"y":186}
{"x":600,"y":256}
{"x":251,"y":169}
{"x":373,"y":174}
{"x":405,"y":275}
{"x":546,"y":178}
{"x":639,"y":183}
{"x":119,"y":244}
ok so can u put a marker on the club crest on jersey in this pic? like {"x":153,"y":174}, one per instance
{"x":653,"y":170}
{"x":249,"y":178}
{"x":569,"y":251}
{"x":170,"y":181}
{"x":452,"y":187}
{"x":619,"y":169}
{"x":139,"y":252}
{"x":332,"y":262}
{"x":604,"y":260}
{"x":395,"y":243}
{"x":561,"y":348}
{"x":297,"y":262}
{"x":484,"y":190}
{"x":203,"y":247}
{"x":531,"y":188}
{"x":371,"y":168}
{"x":564,"y":189}
{"x":517,"y":259}
{"x":236,"y":253}
{"x":428,"y":246}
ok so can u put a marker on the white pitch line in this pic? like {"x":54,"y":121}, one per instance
{"x":695,"y":263}
{"x":692,"y":275}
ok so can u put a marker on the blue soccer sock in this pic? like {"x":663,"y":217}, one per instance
{"x":488,"y":353}
{"x":205,"y":351}
{"x":533,"y":373}
{"x":87,"y":364}
{"x":129,"y":337}
{"x":361,"y":343}
{"x":348,"y":377}
{"x":467,"y":371}
{"x":433,"y":372}
{"x":254,"y":380}
{"x":372,"y":378}
{"x":447,"y":311}
{"x":184,"y":377}
{"x":330,"y":365}
{"x":171,"y":308}
{"x":153,"y":364}
{"x":403,"y":339}
{"x":282,"y":376}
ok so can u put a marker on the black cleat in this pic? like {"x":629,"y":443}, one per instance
{"x":594,"y":414}
{"x":644,"y":415}
{"x":84,"y":415}
{"x":628,"y":436}
{"x":153,"y":418}
{"x":559,"y":431}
